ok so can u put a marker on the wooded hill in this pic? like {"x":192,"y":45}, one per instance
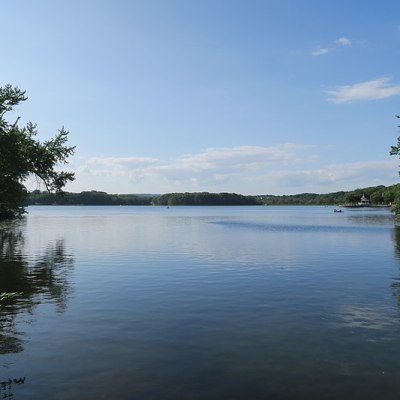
{"x":90,"y":198}
{"x":378,"y":195}
{"x":206,"y":199}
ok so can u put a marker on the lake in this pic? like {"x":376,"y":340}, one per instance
{"x":200,"y":303}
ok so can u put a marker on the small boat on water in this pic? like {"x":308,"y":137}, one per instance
{"x":336,"y":210}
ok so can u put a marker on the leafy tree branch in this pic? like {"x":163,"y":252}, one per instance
{"x":22,"y":156}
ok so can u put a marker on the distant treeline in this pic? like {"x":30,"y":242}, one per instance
{"x":92,"y":198}
{"x":378,"y":195}
{"x":206,"y":199}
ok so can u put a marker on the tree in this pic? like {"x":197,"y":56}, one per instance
{"x":377,"y":197}
{"x":395,"y":150}
{"x":352,"y":197}
{"x":21,"y":156}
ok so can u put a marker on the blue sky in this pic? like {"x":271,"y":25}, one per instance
{"x":252,"y":97}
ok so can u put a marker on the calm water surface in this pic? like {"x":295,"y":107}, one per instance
{"x":200,"y":303}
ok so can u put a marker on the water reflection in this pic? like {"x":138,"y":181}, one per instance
{"x":191,"y":305}
{"x":6,"y":387}
{"x":372,"y":218}
{"x":26,"y":281}
{"x":396,"y":284}
{"x":366,"y":317}
{"x":396,"y":240}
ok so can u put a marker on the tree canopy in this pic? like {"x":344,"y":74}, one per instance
{"x":22,"y":155}
{"x":92,"y":198}
{"x":205,"y":199}
{"x":395,"y":150}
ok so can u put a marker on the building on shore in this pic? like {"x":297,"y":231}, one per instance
{"x":364,"y":202}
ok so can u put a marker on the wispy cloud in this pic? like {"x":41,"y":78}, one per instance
{"x":323,"y":177}
{"x":212,"y":167}
{"x":375,"y":89}
{"x":282,"y":169}
{"x":123,"y":161}
{"x":333,"y":176}
{"x":243,"y":156}
{"x":341,"y":42}
{"x":322,"y":51}
{"x":227,"y":158}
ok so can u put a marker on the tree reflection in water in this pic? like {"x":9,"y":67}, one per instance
{"x":32,"y":278}
{"x":396,"y":284}
{"x":6,"y":387}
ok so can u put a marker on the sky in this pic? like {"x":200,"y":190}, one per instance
{"x":246,"y":96}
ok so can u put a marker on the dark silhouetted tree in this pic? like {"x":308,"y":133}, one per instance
{"x":22,"y":155}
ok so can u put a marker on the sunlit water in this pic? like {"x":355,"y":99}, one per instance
{"x":200,"y":303}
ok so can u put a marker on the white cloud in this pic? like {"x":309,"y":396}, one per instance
{"x":211,"y":167}
{"x":283,"y":169}
{"x":375,"y":89}
{"x":242,"y":156}
{"x":341,"y":42}
{"x":332,"y":177}
{"x":229,"y":158}
{"x":122,"y":161}
{"x":322,"y":51}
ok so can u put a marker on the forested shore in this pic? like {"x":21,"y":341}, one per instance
{"x":378,"y":195}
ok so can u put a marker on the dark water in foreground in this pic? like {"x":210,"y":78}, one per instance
{"x":200,"y":303}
